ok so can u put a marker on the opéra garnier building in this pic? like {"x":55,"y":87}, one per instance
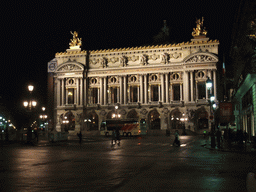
{"x":163,"y":85}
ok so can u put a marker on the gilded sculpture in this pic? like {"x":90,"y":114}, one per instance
{"x":75,"y":41}
{"x":199,"y":30}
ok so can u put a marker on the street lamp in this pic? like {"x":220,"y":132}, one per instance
{"x":87,"y":121}
{"x":211,"y":101}
{"x":30,"y":106}
{"x":116,"y":115}
{"x":65,"y":122}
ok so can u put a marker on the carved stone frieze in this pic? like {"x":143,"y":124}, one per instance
{"x":133,"y":58}
{"x":69,"y":67}
{"x":113,"y":59}
{"x":144,"y":111}
{"x":201,"y":58}
{"x":94,"y":61}
{"x":154,"y":57}
{"x":175,"y":55}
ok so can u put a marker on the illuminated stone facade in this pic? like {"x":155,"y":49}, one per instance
{"x":164,"y":85}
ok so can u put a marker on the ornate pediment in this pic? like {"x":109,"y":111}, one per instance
{"x":201,"y":58}
{"x":67,"y":67}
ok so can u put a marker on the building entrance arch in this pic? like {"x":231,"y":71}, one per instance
{"x":93,"y":121}
{"x":132,"y":115}
{"x":154,"y":119}
{"x":175,"y":117}
{"x":68,"y":121}
{"x":202,"y":118}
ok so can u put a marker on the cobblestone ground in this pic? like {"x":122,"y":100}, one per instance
{"x":138,"y":164}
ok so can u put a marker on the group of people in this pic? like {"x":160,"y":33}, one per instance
{"x":228,"y":135}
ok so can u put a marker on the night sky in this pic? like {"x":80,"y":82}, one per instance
{"x":33,"y":32}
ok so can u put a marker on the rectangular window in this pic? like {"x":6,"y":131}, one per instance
{"x":247,"y":99}
{"x":71,"y":96}
{"x":154,"y":92}
{"x":176,"y":92}
{"x":134,"y":94}
{"x":94,"y":95}
{"x":201,"y":91}
{"x":113,"y":94}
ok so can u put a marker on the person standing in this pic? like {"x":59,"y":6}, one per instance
{"x":218,"y":134}
{"x":177,"y":138}
{"x":80,"y":137}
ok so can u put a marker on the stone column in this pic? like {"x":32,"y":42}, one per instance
{"x":125,"y":89}
{"x":145,"y":89}
{"x":196,"y":90}
{"x":138,"y":90}
{"x":166,"y":88}
{"x":149,"y":93}
{"x":85,"y":92}
{"x":121,"y":89}
{"x":129,"y":93}
{"x":186,"y":87}
{"x":58,"y":92}
{"x":210,"y":76}
{"x":62,"y":92}
{"x":171,"y":93}
{"x":98,"y":99}
{"x":105,"y":93}
{"x":101,"y":91}
{"x":181,"y":92}
{"x":141,"y":89}
{"x":66,"y":96}
{"x":118,"y":95}
{"x":76,"y":96}
{"x":159,"y":93}
{"x":215,"y":84}
{"x":206,"y":91}
{"x":192,"y":86}
{"x":162,"y":88}
{"x":81,"y":91}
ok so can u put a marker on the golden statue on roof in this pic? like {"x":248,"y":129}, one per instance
{"x":199,"y":30}
{"x":75,"y":42}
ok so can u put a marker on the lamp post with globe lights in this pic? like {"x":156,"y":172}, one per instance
{"x":43,"y":118}
{"x":30,"y":105}
{"x":116,"y":115}
{"x":212,"y":107}
{"x":65,"y":122}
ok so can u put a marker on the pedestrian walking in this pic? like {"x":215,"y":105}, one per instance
{"x":113,"y":137}
{"x":80,"y":137}
{"x":118,"y":136}
{"x":176,"y":141}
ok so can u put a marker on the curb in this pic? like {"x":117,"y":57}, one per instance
{"x":229,"y":150}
